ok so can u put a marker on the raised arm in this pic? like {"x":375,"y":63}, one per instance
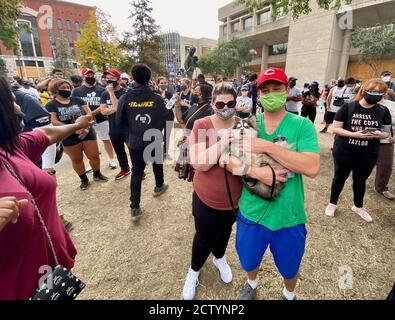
{"x":60,"y":132}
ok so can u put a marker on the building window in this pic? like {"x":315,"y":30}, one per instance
{"x":29,"y":39}
{"x":60,"y":29}
{"x":276,"y":49}
{"x":236,"y":27}
{"x":70,"y":37}
{"x":247,"y":23}
{"x":225,"y":30}
{"x":264,"y":17}
{"x":77,"y":30}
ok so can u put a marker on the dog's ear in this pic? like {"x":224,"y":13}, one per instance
{"x":252,"y":122}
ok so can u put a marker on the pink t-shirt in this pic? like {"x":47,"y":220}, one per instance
{"x":24,"y":247}
{"x":210,"y":186}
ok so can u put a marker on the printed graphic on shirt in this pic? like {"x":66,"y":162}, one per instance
{"x":71,"y":113}
{"x":92,"y":99}
{"x":144,"y":104}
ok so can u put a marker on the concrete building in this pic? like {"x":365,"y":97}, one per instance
{"x":314,"y":47}
{"x":49,"y":21}
{"x":175,"y":48}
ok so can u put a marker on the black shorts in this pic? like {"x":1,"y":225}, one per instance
{"x":329,"y":117}
{"x":73,"y":140}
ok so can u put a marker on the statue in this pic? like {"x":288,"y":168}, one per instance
{"x":191,"y":63}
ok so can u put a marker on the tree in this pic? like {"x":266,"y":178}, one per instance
{"x":9,"y":30}
{"x":227,"y":58}
{"x":63,"y":59}
{"x":374,"y":44}
{"x":99,"y":44}
{"x":3,"y":68}
{"x":295,"y":7}
{"x":143,"y":44}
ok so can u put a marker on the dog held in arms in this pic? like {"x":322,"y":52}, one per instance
{"x":248,"y":129}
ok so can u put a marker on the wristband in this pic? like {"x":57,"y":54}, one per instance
{"x":246,"y":169}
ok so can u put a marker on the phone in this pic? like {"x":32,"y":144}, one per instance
{"x":370,"y":129}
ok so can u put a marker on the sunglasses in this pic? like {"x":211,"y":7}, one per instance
{"x":220,"y":104}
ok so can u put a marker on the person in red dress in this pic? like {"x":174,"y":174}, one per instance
{"x":24,"y":247}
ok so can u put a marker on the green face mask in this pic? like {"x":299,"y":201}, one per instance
{"x":274,"y":101}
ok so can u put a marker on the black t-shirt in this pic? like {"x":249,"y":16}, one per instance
{"x":105,"y":99}
{"x":92,"y":97}
{"x":67,"y":113}
{"x":35,"y":115}
{"x":356,"y":118}
{"x":189,"y":98}
{"x":204,"y":112}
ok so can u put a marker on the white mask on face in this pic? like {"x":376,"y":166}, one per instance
{"x":387,"y":79}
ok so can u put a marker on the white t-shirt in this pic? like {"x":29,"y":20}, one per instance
{"x":337,"y":93}
{"x":247,"y":102}
{"x":292,"y":106}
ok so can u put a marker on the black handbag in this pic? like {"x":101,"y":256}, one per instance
{"x":60,"y":284}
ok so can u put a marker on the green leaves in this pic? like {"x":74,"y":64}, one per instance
{"x":227,"y":57}
{"x":9,"y":31}
{"x":374,"y":44}
{"x":143,"y":44}
{"x":3,"y":69}
{"x":297,"y":8}
{"x":99,"y":43}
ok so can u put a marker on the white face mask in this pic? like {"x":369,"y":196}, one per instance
{"x":387,"y":79}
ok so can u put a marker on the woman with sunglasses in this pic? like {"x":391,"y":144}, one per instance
{"x":211,"y":207}
{"x":359,"y":127}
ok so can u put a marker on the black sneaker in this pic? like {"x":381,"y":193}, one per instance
{"x":136,"y":214}
{"x":100,"y":178}
{"x":84,"y":185}
{"x":248,"y":293}
{"x":159,"y":191}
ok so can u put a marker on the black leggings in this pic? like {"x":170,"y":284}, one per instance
{"x":361,"y":168}
{"x":309,"y":112}
{"x":213,"y":230}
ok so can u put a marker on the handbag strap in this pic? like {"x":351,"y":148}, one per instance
{"x":37,"y":210}
{"x":191,"y":117}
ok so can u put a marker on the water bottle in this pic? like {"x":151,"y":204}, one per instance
{"x":171,"y":103}
{"x":282,"y":141}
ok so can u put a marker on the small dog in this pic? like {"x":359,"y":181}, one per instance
{"x":248,"y":129}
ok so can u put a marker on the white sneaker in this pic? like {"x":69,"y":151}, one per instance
{"x":112,"y":164}
{"x":362,"y":213}
{"x":330,"y":210}
{"x":191,"y":283}
{"x":224,"y":269}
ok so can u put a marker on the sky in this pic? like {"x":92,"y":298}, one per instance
{"x":191,"y":18}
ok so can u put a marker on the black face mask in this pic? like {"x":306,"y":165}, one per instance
{"x":292,"y":84}
{"x":90,"y":81}
{"x":341,"y":84}
{"x":65,"y":93}
{"x":373,"y":98}
{"x":184,"y":88}
{"x":114,"y":83}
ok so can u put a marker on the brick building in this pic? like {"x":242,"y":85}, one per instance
{"x":49,"y":21}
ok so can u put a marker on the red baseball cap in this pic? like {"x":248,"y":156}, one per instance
{"x":273,"y":74}
{"x":113,"y":72}
{"x":85,"y":71}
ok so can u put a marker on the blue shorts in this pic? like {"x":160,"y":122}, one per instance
{"x":286,"y":245}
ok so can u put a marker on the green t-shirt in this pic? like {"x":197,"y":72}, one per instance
{"x":288,"y":209}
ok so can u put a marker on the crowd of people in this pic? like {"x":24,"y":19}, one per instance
{"x":136,"y":114}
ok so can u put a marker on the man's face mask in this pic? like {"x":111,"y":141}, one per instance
{"x":274,"y":101}
{"x":90,"y":80}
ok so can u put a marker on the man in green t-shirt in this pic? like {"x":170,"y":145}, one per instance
{"x":279,"y":223}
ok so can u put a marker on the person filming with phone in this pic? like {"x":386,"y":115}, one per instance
{"x":359,"y":126}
